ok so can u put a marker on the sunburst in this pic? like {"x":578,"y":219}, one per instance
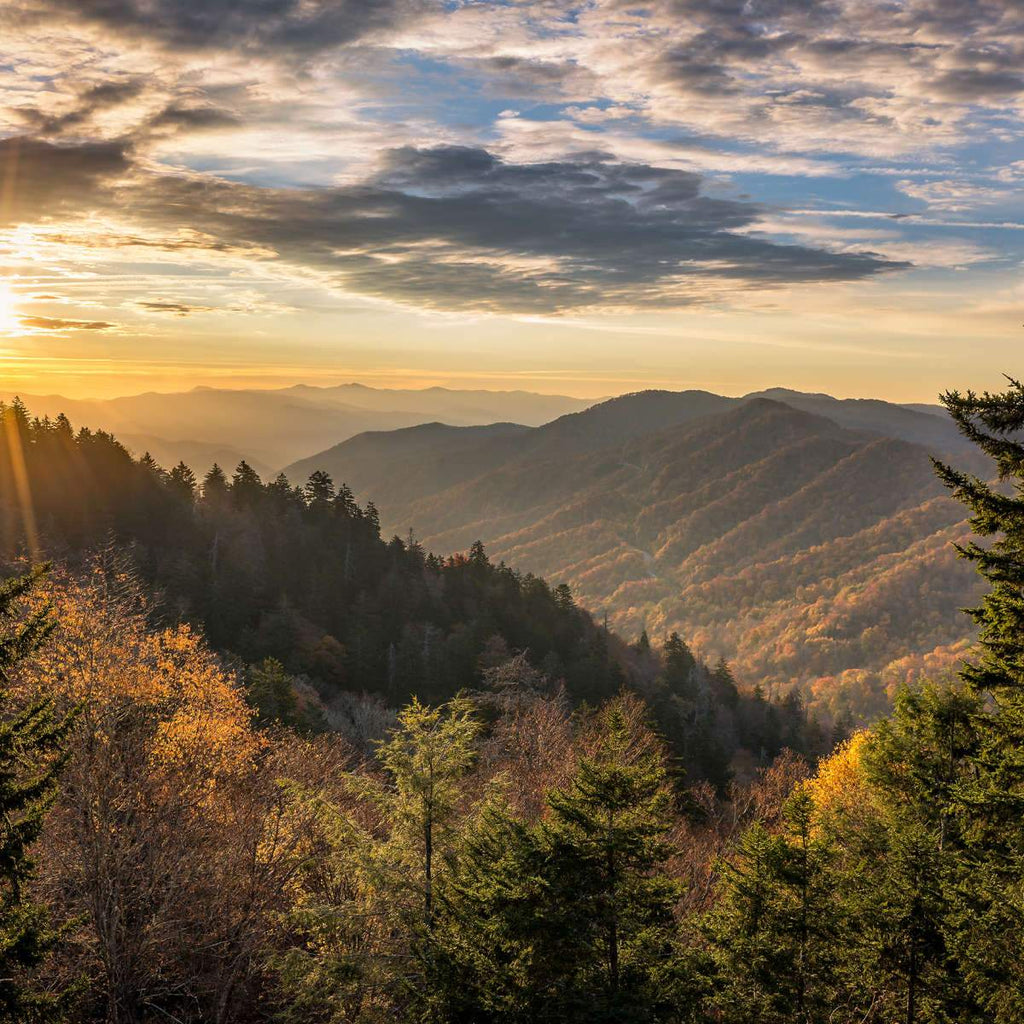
{"x":9,"y":319}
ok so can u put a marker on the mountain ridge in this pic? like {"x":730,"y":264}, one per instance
{"x":739,"y":528}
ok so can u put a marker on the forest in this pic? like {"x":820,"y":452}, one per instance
{"x":259,"y":764}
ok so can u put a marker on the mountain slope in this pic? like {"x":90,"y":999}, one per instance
{"x":607,"y":423}
{"x":922,"y":424}
{"x":803,"y":551}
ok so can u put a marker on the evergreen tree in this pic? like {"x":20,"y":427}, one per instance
{"x":182,"y":481}
{"x":606,"y":847}
{"x":319,"y":490}
{"x":680,"y":665}
{"x":775,"y":933}
{"x":215,"y":487}
{"x":246,"y":486}
{"x":571,"y":921}
{"x":32,"y":754}
{"x":426,"y":757}
{"x":990,"y":799}
{"x":268,"y":689}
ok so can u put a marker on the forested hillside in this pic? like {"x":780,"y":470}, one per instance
{"x":302,"y":576}
{"x":176,"y":850}
{"x":803,"y":551}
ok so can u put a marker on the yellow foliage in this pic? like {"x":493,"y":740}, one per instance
{"x":840,"y":783}
{"x":161,"y":684}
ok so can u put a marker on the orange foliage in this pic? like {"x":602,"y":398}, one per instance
{"x":106,"y":658}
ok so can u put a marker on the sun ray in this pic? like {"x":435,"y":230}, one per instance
{"x":9,"y":320}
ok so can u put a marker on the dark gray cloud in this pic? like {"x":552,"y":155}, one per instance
{"x":194,"y":118}
{"x":40,"y":180}
{"x":295,"y":26}
{"x":88,"y":102}
{"x":978,"y":84}
{"x":53,"y":323}
{"x":457,"y":228}
{"x":452,"y":227}
{"x":963,"y":51}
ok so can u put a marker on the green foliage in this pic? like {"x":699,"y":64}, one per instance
{"x":32,"y":755}
{"x":989,"y":799}
{"x":365,"y":919}
{"x":777,"y":931}
{"x":571,"y":919}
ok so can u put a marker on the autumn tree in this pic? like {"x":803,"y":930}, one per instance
{"x":145,"y":843}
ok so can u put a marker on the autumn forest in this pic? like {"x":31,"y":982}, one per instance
{"x":260,"y":763}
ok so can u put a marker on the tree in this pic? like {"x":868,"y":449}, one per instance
{"x":182,"y":481}
{"x":33,"y":752}
{"x":319,"y":490}
{"x":775,"y":931}
{"x":571,"y":919}
{"x":268,"y":688}
{"x":606,"y":850}
{"x":215,"y":486}
{"x":426,"y":757}
{"x":990,"y":798}
{"x":140,"y":843}
{"x":366,"y":914}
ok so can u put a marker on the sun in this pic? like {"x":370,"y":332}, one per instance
{"x":9,"y":320}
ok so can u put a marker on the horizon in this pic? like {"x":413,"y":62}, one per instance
{"x":413,"y":385}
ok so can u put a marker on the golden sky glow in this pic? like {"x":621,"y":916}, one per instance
{"x":578,"y":198}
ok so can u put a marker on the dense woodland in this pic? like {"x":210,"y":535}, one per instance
{"x":301,"y":579}
{"x":513,"y":850}
{"x":807,"y":553}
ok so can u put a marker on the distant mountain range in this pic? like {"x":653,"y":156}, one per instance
{"x":274,"y":427}
{"x":803,"y":537}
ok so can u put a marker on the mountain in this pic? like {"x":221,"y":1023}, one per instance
{"x":275,"y":427}
{"x":804,"y":551}
{"x":403,"y":465}
{"x":922,"y":424}
{"x":199,"y":455}
{"x":456,"y":406}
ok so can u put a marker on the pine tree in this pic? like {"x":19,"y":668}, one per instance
{"x":182,"y":481}
{"x":606,"y":850}
{"x":775,"y":931}
{"x":246,"y":486}
{"x":319,"y":490}
{"x":426,"y":757}
{"x":990,"y":799}
{"x":32,"y":754}
{"x":215,"y":487}
{"x":571,"y":921}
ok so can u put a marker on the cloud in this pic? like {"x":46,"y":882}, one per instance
{"x":87,"y":103}
{"x":952,"y":195}
{"x":287,"y":26}
{"x":172,"y":308}
{"x":41,"y":180}
{"x":457,"y":228}
{"x":453,"y":228}
{"x":58,"y":324}
{"x":194,"y":118}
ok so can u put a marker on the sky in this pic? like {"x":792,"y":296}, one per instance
{"x":584,"y":198}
